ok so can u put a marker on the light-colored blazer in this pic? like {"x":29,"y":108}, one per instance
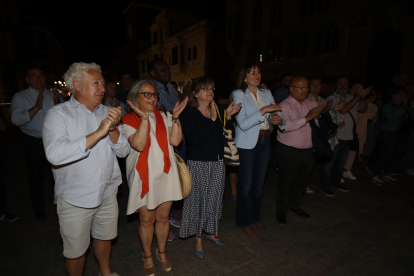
{"x":249,"y":118}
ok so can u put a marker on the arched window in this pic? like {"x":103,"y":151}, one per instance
{"x":298,"y":44}
{"x":189,"y":54}
{"x":275,"y":49}
{"x":327,"y":38}
{"x":195,"y":52}
{"x":257,"y":53}
{"x":257,"y":18}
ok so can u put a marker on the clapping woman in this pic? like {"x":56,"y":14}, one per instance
{"x":253,"y":143}
{"x":151,"y":168}
{"x":203,"y":131}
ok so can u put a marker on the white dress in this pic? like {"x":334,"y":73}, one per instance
{"x":163,"y":187}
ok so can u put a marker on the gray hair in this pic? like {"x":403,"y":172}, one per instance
{"x":136,"y":89}
{"x":78,"y":71}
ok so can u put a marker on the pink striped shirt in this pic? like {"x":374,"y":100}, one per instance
{"x":297,"y":133}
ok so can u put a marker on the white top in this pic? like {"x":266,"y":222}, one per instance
{"x":162,"y":187}
{"x":259,"y":104}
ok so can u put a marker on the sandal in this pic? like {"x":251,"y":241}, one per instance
{"x":149,"y":271}
{"x":166,"y":266}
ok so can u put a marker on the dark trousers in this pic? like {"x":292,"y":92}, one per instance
{"x":391,"y":146}
{"x":294,"y":171}
{"x":252,"y":174}
{"x":3,"y":193}
{"x":409,"y":159}
{"x":35,"y":160}
{"x":331,"y":171}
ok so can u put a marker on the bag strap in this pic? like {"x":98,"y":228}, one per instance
{"x":220,"y":117}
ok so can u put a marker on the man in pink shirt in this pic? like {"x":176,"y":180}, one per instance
{"x":294,"y":148}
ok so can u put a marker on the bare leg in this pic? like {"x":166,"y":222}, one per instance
{"x":234,"y":178}
{"x":102,"y":251}
{"x":146,"y":232}
{"x":162,"y":226}
{"x":74,"y":267}
{"x":199,"y":243}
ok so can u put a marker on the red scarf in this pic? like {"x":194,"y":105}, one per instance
{"x":133,"y":120}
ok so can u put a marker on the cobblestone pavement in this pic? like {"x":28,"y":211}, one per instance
{"x":366,"y":231}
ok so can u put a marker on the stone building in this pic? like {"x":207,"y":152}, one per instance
{"x":191,"y":46}
{"x":368,"y":40}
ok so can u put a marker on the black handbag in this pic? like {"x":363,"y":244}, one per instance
{"x":231,"y":154}
{"x":354,"y":146}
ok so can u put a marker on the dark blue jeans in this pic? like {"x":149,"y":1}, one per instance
{"x":252,"y":174}
{"x":331,"y":171}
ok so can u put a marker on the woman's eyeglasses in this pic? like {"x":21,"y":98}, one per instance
{"x":210,"y":88}
{"x":148,"y":95}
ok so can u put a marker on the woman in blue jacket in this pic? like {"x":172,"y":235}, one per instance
{"x":253,"y":143}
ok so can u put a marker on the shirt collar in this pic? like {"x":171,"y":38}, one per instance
{"x":75,"y":103}
{"x":293,"y":101}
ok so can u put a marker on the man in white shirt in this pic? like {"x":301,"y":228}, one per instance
{"x":28,"y":110}
{"x":82,"y":139}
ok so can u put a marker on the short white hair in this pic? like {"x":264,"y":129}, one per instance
{"x":78,"y":71}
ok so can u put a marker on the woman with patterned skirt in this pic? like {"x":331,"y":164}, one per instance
{"x":203,"y":131}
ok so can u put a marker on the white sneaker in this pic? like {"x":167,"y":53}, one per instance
{"x":349,"y":175}
{"x":309,"y":191}
{"x":378,"y":180}
{"x":410,"y":172}
{"x":342,"y":180}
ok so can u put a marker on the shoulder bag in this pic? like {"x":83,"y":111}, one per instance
{"x":231,"y":155}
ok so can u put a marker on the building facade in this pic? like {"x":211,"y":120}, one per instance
{"x":367,"y":40}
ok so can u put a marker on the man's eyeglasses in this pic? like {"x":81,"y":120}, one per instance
{"x":301,"y":87}
{"x":147,"y":95}
{"x":316,"y":85}
{"x":210,"y":88}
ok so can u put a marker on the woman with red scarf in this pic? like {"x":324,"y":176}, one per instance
{"x":151,"y":168}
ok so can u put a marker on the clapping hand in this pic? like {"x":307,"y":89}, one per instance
{"x":137,"y":111}
{"x":277,"y":120}
{"x":263,"y":86}
{"x":114,"y":115}
{"x":272,"y":107}
{"x":213,"y":112}
{"x":39,"y":101}
{"x":339,"y":105}
{"x":360,"y":92}
{"x":328,"y":105}
{"x":179,"y":107}
{"x":232,"y":109}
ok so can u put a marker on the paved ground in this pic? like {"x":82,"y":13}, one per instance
{"x":367,"y":231}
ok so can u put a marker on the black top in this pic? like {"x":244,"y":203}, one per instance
{"x":203,"y":136}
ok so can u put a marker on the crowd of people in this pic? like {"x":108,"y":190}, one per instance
{"x":104,"y":131}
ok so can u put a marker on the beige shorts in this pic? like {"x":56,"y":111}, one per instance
{"x":77,"y":224}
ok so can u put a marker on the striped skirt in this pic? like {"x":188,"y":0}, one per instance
{"x":202,"y":208}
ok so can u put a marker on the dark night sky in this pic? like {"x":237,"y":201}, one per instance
{"x":93,"y":31}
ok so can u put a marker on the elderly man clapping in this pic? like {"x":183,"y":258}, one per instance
{"x":82,"y":139}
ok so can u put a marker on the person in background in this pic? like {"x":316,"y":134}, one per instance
{"x":295,"y":148}
{"x":109,"y":98}
{"x":253,"y":144}
{"x":393,"y":136}
{"x":174,"y":84}
{"x":361,"y":120}
{"x":28,"y":110}
{"x":331,"y":171}
{"x":4,"y":214}
{"x":409,"y":159}
{"x":82,"y":140}
{"x":123,"y":89}
{"x":203,"y":129}
{"x":151,"y":168}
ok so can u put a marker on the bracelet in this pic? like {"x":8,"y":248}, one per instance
{"x":113,"y":129}
{"x":176,"y":118}
{"x":144,"y":118}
